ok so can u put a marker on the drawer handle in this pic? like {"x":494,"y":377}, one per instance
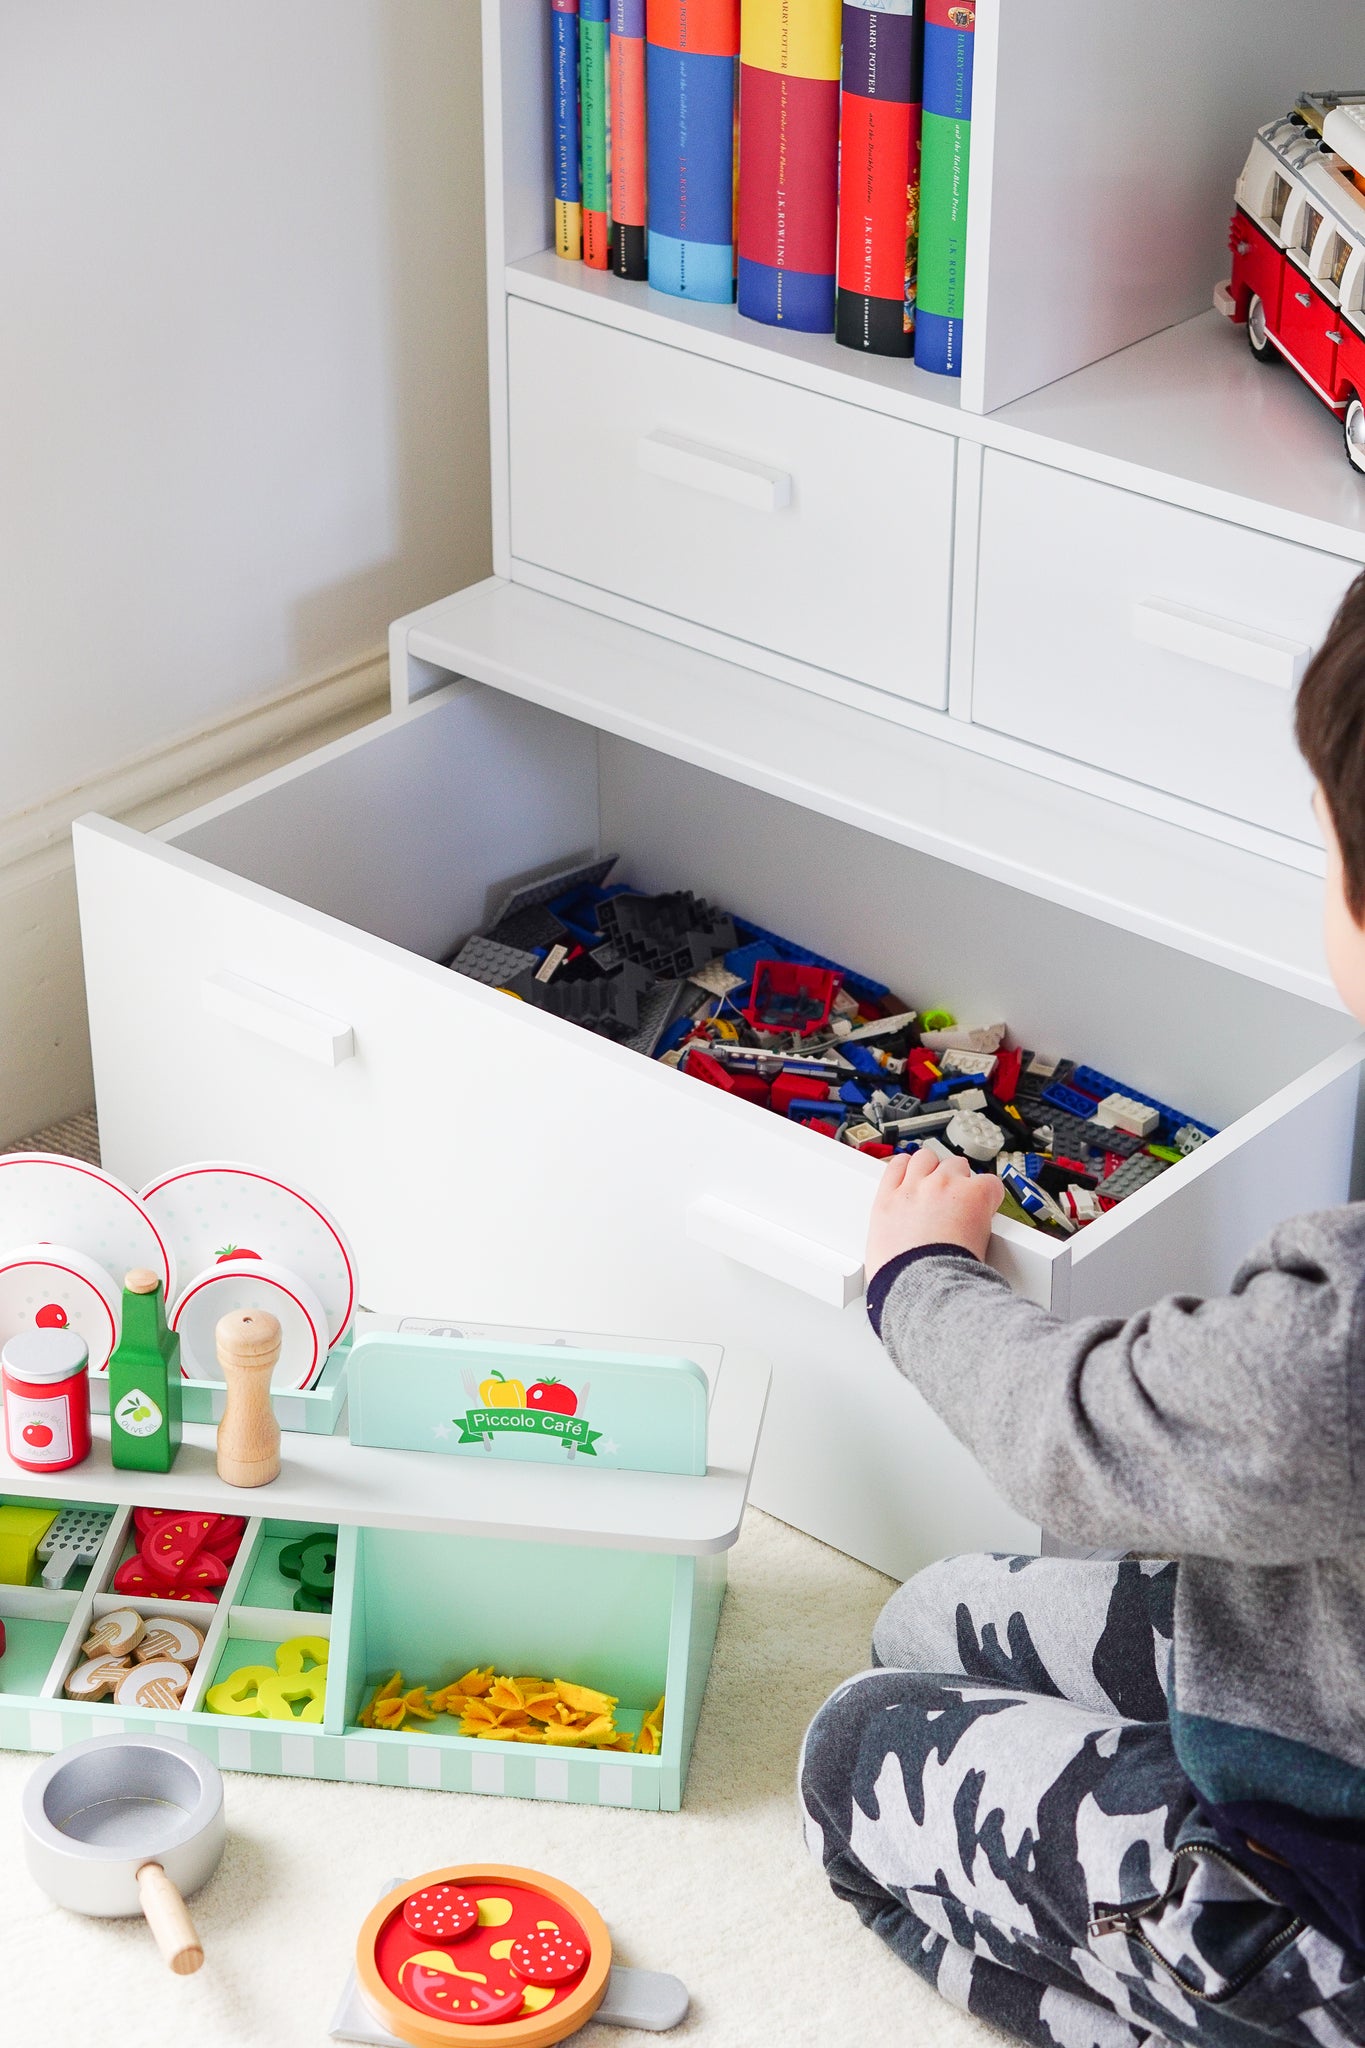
{"x":279,"y":1018}
{"x":1222,"y":643}
{"x":830,"y":1276}
{"x":713,"y":469}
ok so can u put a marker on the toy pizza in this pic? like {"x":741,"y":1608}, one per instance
{"x":483,"y":1954}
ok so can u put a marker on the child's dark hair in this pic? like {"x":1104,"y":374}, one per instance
{"x":1329,"y":725}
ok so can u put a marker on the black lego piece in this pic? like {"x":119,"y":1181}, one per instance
{"x":670,"y":935}
{"x":609,"y":1004}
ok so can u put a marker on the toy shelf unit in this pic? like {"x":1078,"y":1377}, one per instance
{"x":1116,"y":490}
{"x":1156,"y":111}
{"x":654,"y":1203}
{"x":494,"y":1544}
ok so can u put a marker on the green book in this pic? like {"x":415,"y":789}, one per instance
{"x":144,"y":1382}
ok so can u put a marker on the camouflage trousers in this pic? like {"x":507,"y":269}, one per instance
{"x":1000,"y":1801}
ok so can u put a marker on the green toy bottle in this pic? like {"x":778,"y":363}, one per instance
{"x":144,"y":1381}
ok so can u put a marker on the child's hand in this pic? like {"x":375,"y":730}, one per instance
{"x":927,"y":1200}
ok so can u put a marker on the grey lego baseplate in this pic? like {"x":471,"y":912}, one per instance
{"x":657,"y":1011}
{"x":1073,"y":1134}
{"x":1134,"y":1173}
{"x":489,"y":961}
{"x":589,"y":875}
{"x":647,"y":1999}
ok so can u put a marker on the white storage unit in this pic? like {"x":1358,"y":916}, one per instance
{"x":494,"y":1162}
{"x":992,"y":703}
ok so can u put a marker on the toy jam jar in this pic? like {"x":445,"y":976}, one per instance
{"x":47,"y":1399}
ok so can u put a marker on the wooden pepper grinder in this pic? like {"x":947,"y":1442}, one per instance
{"x":248,"y":1343}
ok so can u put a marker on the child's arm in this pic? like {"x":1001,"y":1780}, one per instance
{"x":1220,"y":1427}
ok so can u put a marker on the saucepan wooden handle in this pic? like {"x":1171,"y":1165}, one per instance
{"x":169,"y":1919}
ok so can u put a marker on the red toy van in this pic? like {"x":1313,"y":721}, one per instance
{"x":1298,"y":252}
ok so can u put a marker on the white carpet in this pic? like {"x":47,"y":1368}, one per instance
{"x":722,"y":1894}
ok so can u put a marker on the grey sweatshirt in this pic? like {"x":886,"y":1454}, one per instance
{"x":1228,"y":1433}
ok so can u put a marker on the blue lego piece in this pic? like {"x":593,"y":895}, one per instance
{"x":673,"y":1036}
{"x":772,"y":946}
{"x":855,"y":1093}
{"x":951,"y":1083}
{"x":1102,"y":1085}
{"x":865,"y":1061}
{"x":1070,"y":1099}
{"x":576,"y":911}
{"x":806,"y":1106}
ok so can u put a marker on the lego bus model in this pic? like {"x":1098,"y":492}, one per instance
{"x":1298,"y":253}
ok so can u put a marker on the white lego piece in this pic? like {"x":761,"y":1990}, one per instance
{"x":959,"y":1038}
{"x":1122,"y":1113}
{"x":954,"y":1061}
{"x":937,"y":1147}
{"x":967,"y":1098}
{"x":975,"y":1135}
{"x":1082,"y":1204}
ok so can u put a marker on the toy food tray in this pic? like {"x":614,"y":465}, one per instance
{"x":636,"y":1625}
{"x":317,"y":1409}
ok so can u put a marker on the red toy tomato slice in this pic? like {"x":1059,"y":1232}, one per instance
{"x":443,"y":1911}
{"x":174,"y":1544}
{"x":552,"y":1394}
{"x":202,"y":1578}
{"x":548,"y":1958}
{"x":225,"y":1537}
{"x":446,"y":1996}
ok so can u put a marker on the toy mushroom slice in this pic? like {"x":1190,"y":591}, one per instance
{"x":153,"y":1685}
{"x":168,"y":1638}
{"x":97,"y":1678}
{"x":116,"y":1634}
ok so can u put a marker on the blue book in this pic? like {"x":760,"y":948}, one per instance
{"x":692,"y":65}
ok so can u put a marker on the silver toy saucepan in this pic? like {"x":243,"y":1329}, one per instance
{"x":127,"y":1824}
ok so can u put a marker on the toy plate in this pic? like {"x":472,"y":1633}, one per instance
{"x":215,"y":1209}
{"x":251,"y":1283}
{"x":47,"y":1199}
{"x":51,"y":1286}
{"x":410,"y":1979}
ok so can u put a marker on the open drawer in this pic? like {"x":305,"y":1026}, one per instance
{"x":264,"y":982}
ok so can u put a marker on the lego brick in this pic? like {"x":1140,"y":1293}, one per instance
{"x":492,"y":963}
{"x":1122,"y":1113}
{"x":1103,"y":1084}
{"x":986,"y":1038}
{"x":656,"y":1015}
{"x":1188,"y":1138}
{"x":531,"y":929}
{"x":672,"y":934}
{"x":772,"y":945}
{"x":787,"y":996}
{"x":1059,"y":1096}
{"x":609,"y":1004}
{"x":1077,"y":1136}
{"x":563,"y":882}
{"x":1134,"y":1173}
{"x":974,"y":1134}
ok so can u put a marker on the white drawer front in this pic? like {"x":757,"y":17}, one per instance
{"x":1157,"y":643}
{"x":796,"y":523}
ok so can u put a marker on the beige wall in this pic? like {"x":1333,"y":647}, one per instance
{"x":243,"y":419}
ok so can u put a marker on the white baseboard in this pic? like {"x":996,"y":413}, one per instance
{"x":44,"y":1047}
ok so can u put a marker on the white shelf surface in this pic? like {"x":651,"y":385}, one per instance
{"x":329,"y":1479}
{"x":1223,"y":903}
{"x":1185,"y":415}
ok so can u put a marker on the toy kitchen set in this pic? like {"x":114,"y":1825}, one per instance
{"x":307,"y":1540}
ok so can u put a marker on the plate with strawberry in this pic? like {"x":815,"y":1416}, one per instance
{"x":219,"y":1211}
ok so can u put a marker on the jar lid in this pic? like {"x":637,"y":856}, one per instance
{"x":45,"y":1354}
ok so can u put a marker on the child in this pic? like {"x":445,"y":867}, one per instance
{"x":1108,"y":1804}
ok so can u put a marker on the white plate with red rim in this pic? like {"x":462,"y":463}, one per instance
{"x":252,"y":1283}
{"x":47,"y":1199}
{"x":54,"y":1287}
{"x":216,"y":1209}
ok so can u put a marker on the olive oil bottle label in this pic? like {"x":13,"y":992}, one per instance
{"x":138,"y":1414}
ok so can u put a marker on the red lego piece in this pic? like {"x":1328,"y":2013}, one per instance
{"x":789,"y":1088}
{"x":921,"y":1071}
{"x":789,"y":997}
{"x":702,"y":1067}
{"x":1005,"y":1079}
{"x":876,"y":1150}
